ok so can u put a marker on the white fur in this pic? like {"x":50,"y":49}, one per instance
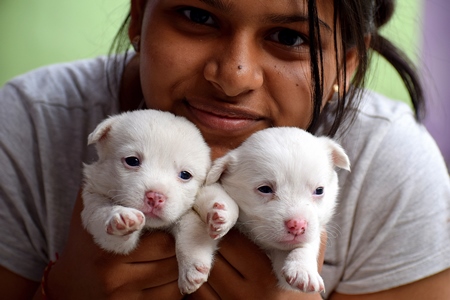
{"x":214,"y":214}
{"x":120,"y":200}
{"x":294,"y":164}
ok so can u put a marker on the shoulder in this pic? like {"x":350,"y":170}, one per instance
{"x":398,"y":183}
{"x":393,"y":154}
{"x":45,"y":118}
{"x":385,"y":134}
{"x":50,"y":98}
{"x":72,"y":84}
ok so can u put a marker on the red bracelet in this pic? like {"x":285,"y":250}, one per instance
{"x":44,"y":277}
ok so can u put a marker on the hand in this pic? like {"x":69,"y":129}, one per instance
{"x":84,"y":271}
{"x":243,"y":271}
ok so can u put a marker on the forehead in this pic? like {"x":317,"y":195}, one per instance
{"x":278,"y":11}
{"x":285,"y":168}
{"x":286,"y":151}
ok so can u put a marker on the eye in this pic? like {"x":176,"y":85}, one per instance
{"x":185,"y":175}
{"x":287,"y":37}
{"x":198,"y":15}
{"x":132,"y":161}
{"x":319,"y":191}
{"x":265,"y":189}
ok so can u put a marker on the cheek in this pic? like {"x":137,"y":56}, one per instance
{"x":158,"y":69}
{"x":290,"y":86}
{"x":165,"y":63}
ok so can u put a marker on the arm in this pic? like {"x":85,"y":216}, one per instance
{"x":15,"y":286}
{"x":433,"y":287}
{"x":84,"y":271}
{"x":243,"y":271}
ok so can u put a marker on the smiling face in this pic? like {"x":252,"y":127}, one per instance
{"x":231,"y":67}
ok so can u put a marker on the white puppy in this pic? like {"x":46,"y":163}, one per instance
{"x":151,"y":166}
{"x":285,"y":184}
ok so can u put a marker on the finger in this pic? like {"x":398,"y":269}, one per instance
{"x":240,"y":267}
{"x":223,"y":276}
{"x":151,"y":274}
{"x":205,"y":292}
{"x":230,"y":284}
{"x":168,"y":291}
{"x":246,"y":257}
{"x":153,"y":246}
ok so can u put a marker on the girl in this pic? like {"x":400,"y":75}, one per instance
{"x":231,"y":67}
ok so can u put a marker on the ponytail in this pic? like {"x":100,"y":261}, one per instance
{"x":405,"y":68}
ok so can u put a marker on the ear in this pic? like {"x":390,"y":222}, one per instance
{"x":351,"y":62}
{"x":101,"y":131}
{"x":218,"y":167}
{"x":338,"y":155}
{"x":136,"y":16}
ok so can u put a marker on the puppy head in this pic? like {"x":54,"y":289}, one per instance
{"x":284,"y":182}
{"x":149,"y":160}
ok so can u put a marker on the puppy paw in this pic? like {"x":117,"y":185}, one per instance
{"x":192,"y":277}
{"x":218,"y":220}
{"x":124,"y":221}
{"x":301,"y":278}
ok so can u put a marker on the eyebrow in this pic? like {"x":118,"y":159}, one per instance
{"x":219,"y":4}
{"x":273,"y":18}
{"x":287,"y":19}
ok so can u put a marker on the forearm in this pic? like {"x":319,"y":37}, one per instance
{"x":433,"y":287}
{"x":14,"y":286}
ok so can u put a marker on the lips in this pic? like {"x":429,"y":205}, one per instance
{"x":222,"y":119}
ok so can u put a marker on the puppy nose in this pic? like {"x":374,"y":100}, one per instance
{"x":296,"y":226}
{"x":155,"y":199}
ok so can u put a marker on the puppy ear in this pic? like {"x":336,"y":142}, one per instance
{"x":101,"y":131}
{"x":217,"y":169}
{"x":338,"y":155}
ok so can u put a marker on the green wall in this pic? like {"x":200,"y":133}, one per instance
{"x":34,"y":33}
{"x":41,"y":32}
{"x":404,"y":30}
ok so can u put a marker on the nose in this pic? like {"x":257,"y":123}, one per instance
{"x":234,"y":69}
{"x":296,"y":226}
{"x":155,"y":199}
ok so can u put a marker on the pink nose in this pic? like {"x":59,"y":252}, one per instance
{"x":155,"y":199}
{"x":296,"y":226}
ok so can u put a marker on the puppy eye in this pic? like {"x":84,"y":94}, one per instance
{"x":265,"y":189}
{"x":185,"y":175}
{"x":132,"y":161}
{"x":319,"y":191}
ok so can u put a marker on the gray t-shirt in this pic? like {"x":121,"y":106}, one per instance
{"x":392,"y":223}
{"x":391,"y":226}
{"x":45,"y":118}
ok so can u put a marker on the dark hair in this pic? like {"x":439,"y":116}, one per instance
{"x":357,"y":20}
